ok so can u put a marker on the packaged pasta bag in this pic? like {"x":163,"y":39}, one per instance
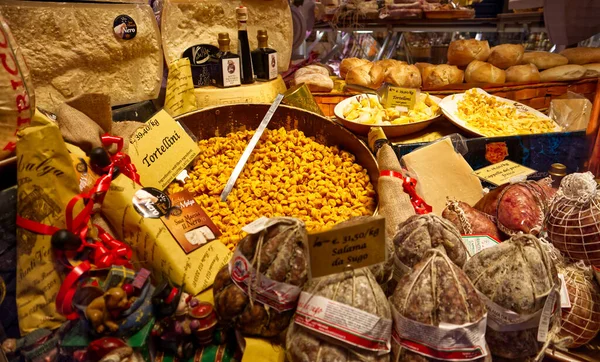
{"x":47,"y":182}
{"x":135,"y":215}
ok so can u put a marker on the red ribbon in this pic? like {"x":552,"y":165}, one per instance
{"x":409,"y":185}
{"x":119,"y":158}
{"x":64,"y":298}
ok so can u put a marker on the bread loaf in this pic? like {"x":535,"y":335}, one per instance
{"x":482,"y":72}
{"x":423,"y":66}
{"x":544,"y":60}
{"x":441,"y":75}
{"x":403,"y":75}
{"x":563,"y":73}
{"x":523,"y":73}
{"x":187,"y":23}
{"x":370,"y":75}
{"x":71,"y":49}
{"x":506,"y":55}
{"x":316,"y":82}
{"x":312,"y":69}
{"x":463,"y":52}
{"x":582,"y":55}
{"x":350,"y":63}
{"x":592,"y":70}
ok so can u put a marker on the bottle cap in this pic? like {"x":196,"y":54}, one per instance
{"x":223,"y":39}
{"x":242,"y":13}
{"x":558,"y":169}
{"x":263,"y":38}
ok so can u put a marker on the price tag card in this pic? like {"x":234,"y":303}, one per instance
{"x":476,"y":243}
{"x":350,"y":247}
{"x":503,"y":172}
{"x":400,"y":97}
{"x":161,"y":150}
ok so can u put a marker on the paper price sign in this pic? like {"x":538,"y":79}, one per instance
{"x":160,"y":150}
{"x":503,"y":172}
{"x":350,"y":247}
{"x":400,"y":97}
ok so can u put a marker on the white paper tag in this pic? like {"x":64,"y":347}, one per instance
{"x":231,"y":72}
{"x":272,"y":59}
{"x":260,"y":224}
{"x":565,"y":300}
{"x":279,"y":296}
{"x":447,"y":342}
{"x":546,"y":316}
{"x":476,"y":243}
{"x":505,"y":320}
{"x":344,"y":323}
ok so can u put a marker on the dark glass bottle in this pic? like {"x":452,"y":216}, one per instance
{"x":226,"y":65}
{"x":264,"y":59}
{"x":244,"y":46}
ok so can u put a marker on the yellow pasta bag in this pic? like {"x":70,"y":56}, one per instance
{"x":46,"y":183}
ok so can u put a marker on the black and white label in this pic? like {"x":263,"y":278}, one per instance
{"x":272,"y":58}
{"x":124,"y":27}
{"x":231,"y":72}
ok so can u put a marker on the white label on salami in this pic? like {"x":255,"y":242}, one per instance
{"x":260,"y":224}
{"x":565,"y":300}
{"x":476,"y":243}
{"x":344,"y":323}
{"x":547,"y":312}
{"x":505,"y":320}
{"x":446,"y":342}
{"x":277,"y":295}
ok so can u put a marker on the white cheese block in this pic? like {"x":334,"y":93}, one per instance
{"x":72,"y":49}
{"x":185,"y":23}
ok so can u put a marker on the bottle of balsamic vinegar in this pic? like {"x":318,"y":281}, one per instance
{"x":227,"y":65}
{"x":264,"y":59}
{"x":244,"y":46}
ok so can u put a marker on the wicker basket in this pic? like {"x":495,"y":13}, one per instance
{"x":536,"y":95}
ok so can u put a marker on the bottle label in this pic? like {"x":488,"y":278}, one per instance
{"x":231,"y":72}
{"x":272,"y":58}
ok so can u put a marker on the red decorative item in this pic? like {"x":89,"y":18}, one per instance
{"x":205,"y":314}
{"x":410,"y":187}
{"x":120,"y":159}
{"x":103,"y":346}
{"x":128,"y":288}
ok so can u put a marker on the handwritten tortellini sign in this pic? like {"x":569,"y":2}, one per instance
{"x":346,"y":248}
{"x":161,"y":150}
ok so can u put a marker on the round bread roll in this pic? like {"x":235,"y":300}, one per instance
{"x":544,"y":60}
{"x":423,"y":66}
{"x":350,"y":63}
{"x":403,"y":75}
{"x":463,"y":52}
{"x":370,"y":75}
{"x":311,"y":69}
{"x":316,"y":82}
{"x":522,"y":73}
{"x":389,"y":63}
{"x":562,"y":73}
{"x":482,"y":72}
{"x":582,"y":55}
{"x":506,"y":55}
{"x":592,"y":70}
{"x":441,"y":75}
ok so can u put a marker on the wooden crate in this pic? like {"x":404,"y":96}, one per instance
{"x":537,"y":95}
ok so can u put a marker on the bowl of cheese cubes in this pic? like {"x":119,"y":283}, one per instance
{"x":361,"y":112}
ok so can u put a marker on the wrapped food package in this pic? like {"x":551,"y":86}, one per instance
{"x":188,"y":23}
{"x":394,"y":203}
{"x":518,"y":207}
{"x":47,"y":182}
{"x":423,"y":232}
{"x":17,"y":103}
{"x":581,"y":322}
{"x":470,"y":221}
{"x":518,"y":281}
{"x":350,"y":294}
{"x":272,"y":261}
{"x":572,"y":221}
{"x":430,"y":306}
{"x":73,"y":49}
{"x":154,"y":248}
